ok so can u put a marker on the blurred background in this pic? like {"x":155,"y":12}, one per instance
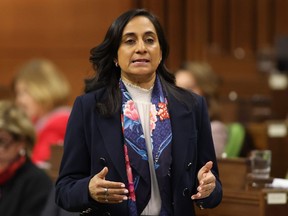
{"x":243,"y":41}
{"x":239,"y":38}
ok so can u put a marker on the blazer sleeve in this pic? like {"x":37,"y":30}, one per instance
{"x":206,"y":153}
{"x":72,"y":192}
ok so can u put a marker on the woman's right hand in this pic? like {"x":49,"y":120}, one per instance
{"x":104,"y":191}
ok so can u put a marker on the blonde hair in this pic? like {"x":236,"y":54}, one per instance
{"x":208,"y":81}
{"x":44,"y":82}
{"x":16,"y":122}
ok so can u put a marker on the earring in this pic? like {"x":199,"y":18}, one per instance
{"x":116,"y":63}
{"x":22,"y":152}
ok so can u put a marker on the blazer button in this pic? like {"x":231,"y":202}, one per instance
{"x":189,"y":166}
{"x":186,"y":192}
{"x":169,"y":172}
{"x":103,"y":161}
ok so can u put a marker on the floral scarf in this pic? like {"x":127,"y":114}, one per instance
{"x":136,"y":156}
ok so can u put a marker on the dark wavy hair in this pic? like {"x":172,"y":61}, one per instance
{"x":102,"y":57}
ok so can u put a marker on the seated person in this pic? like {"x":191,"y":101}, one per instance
{"x":24,"y":187}
{"x":43,"y":92}
{"x":200,"y":78}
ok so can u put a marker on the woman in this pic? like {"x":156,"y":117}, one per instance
{"x":42,"y":92}
{"x":24,"y":188}
{"x":201,"y":79}
{"x":132,"y":147}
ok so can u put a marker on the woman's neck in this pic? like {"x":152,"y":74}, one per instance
{"x":145,"y":83}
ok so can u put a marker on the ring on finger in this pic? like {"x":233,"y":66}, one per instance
{"x":106,"y":200}
{"x":106,"y":191}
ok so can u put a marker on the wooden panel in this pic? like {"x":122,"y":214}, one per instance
{"x":158,"y":9}
{"x":240,"y":168}
{"x":243,"y":27}
{"x":265,"y":19}
{"x":219,"y":22}
{"x":274,"y":209}
{"x":62,"y":31}
{"x":175,"y":28}
{"x":258,"y":132}
{"x":196,"y":29}
{"x":278,"y":144}
{"x":236,"y":203}
{"x":281,"y":17}
{"x":5,"y":93}
{"x":248,"y":203}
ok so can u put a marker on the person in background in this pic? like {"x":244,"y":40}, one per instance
{"x":136,"y":144}
{"x":43,"y":92}
{"x":201,"y":79}
{"x":24,"y":188}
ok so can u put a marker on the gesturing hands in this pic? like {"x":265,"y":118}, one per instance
{"x":106,"y":191}
{"x":207,"y":182}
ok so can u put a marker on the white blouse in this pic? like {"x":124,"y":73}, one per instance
{"x":142,"y":100}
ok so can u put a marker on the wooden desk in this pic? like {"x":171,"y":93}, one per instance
{"x":235,"y":203}
{"x":247,"y":203}
{"x":233,"y":172}
{"x":277,"y":133}
{"x":238,"y":198}
{"x":274,"y":209}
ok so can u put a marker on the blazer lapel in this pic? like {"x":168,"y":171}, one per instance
{"x":181,"y":123}
{"x":111,"y":131}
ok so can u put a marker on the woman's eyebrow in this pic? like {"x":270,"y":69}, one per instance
{"x":127,"y":34}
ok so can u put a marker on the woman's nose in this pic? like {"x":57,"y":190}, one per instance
{"x":140,"y":47}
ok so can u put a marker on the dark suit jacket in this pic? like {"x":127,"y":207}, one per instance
{"x":93,"y":142}
{"x":26,"y":192}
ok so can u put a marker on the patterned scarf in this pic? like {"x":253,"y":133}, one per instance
{"x":136,"y":156}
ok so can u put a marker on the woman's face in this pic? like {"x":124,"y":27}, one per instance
{"x":26,"y":102}
{"x":139,"y":53}
{"x":9,"y":148}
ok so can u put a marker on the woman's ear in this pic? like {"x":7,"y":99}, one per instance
{"x":116,"y":62}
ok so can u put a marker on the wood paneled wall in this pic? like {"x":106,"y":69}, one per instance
{"x":229,"y":34}
{"x":63,"y":31}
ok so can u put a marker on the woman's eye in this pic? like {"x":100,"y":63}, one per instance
{"x":150,"y":40}
{"x":129,"y":41}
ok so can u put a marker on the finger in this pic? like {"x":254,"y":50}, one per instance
{"x":196,"y":196}
{"x":114,"y":197}
{"x":108,"y":200}
{"x":204,"y":171}
{"x":102,"y":174}
{"x":201,"y":194}
{"x":111,"y":191}
{"x":207,"y":187}
{"x":113,"y":185}
{"x":207,"y":167}
{"x":204,"y":191}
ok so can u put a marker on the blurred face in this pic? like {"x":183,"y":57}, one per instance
{"x":186,"y":80}
{"x":9,"y":148}
{"x":26,"y":102}
{"x":139,"y":53}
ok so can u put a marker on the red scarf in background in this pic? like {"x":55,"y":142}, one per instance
{"x":10,"y":171}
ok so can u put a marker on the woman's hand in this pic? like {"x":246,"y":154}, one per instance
{"x":207,"y":182}
{"x":106,"y":191}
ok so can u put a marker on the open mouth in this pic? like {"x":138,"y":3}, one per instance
{"x":140,"y":61}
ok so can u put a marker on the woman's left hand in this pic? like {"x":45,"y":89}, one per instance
{"x":207,"y":182}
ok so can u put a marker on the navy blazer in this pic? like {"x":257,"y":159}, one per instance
{"x":93,"y":141}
